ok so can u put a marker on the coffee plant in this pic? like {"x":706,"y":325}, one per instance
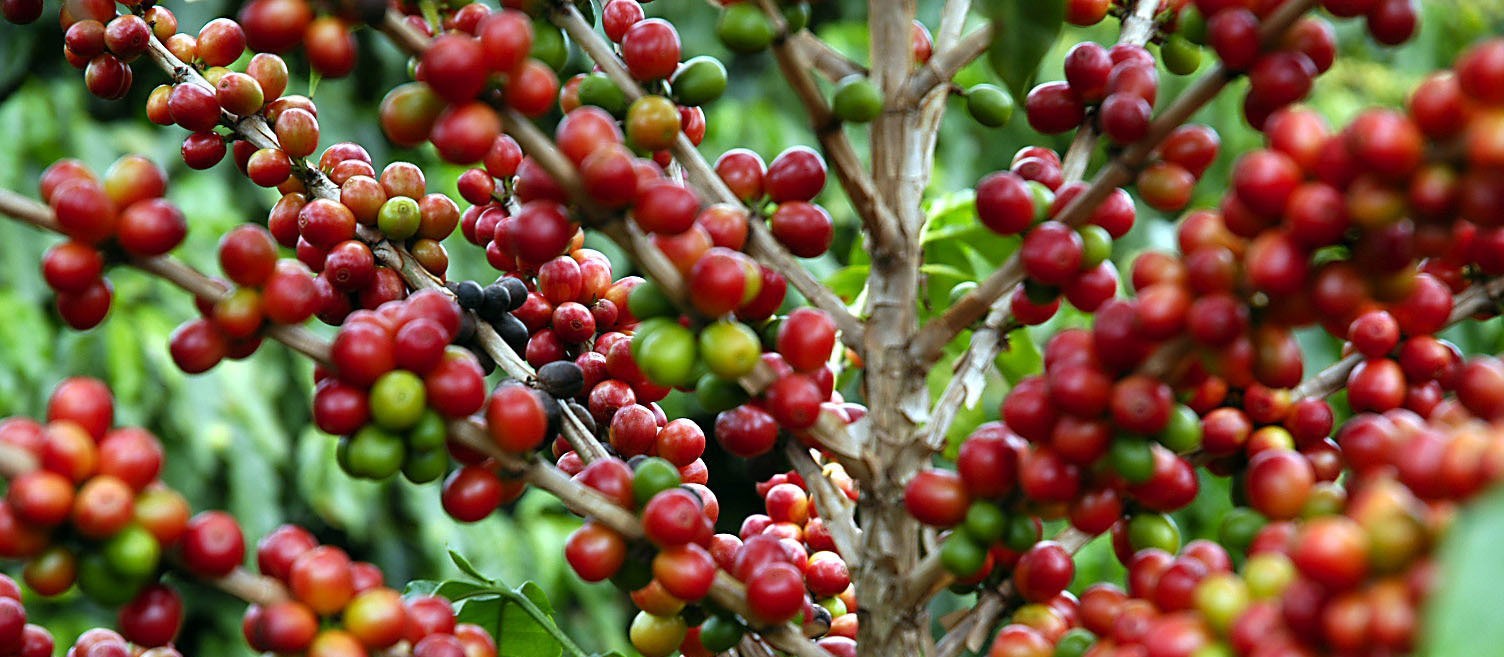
{"x":889,"y":518}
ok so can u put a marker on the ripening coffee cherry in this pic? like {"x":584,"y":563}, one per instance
{"x":805,"y":229}
{"x":1005,"y":203}
{"x":1234,"y":35}
{"x":937,"y":498}
{"x":742,"y":170}
{"x":797,"y":174}
{"x":220,"y":42}
{"x":1043,"y":571}
{"x":1052,"y":109}
{"x":213,"y":544}
{"x":775,"y":593}
{"x":653,"y":123}
{"x":517,"y":418}
{"x":1051,"y":253}
{"x":1087,"y":67}
{"x":650,"y":49}
{"x":806,"y":338}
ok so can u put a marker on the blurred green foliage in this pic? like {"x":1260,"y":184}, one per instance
{"x":239,"y":436}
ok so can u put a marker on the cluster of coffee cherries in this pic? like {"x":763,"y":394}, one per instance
{"x":258,"y":90}
{"x":394,"y":383}
{"x":650,"y":49}
{"x":123,"y":215}
{"x":1058,"y":260}
{"x":1351,"y":578}
{"x":784,"y":557}
{"x":93,"y":512}
{"x":339,"y":606}
{"x":18,"y":638}
{"x":105,"y":642}
{"x":1121,"y":82}
{"x":278,"y":26}
{"x":445,"y":107}
{"x":331,"y":236}
{"x":103,"y":45}
{"x":266,"y":290}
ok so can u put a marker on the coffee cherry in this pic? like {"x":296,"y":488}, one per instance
{"x":746,"y":431}
{"x":806,"y":338}
{"x":1233,"y":34}
{"x":1004,"y":203}
{"x":744,"y":28}
{"x":650,"y":49}
{"x":775,"y":593}
{"x":990,"y":105}
{"x":1053,"y":109}
{"x":937,"y":498}
{"x":1392,"y":22}
{"x":856,"y":100}
{"x":797,"y":174}
{"x":1051,"y":253}
{"x":213,"y":545}
{"x":517,"y":418}
{"x":1043,"y":572}
{"x":805,"y":229}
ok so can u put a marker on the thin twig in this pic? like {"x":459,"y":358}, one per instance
{"x":835,"y":508}
{"x":825,"y":59}
{"x":944,"y":64}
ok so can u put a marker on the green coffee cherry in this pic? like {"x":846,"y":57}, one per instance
{"x":989,"y":104}
{"x":856,"y":100}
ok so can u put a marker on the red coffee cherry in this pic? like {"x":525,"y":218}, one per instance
{"x":937,"y":498}
{"x":650,"y":49}
{"x":213,"y":545}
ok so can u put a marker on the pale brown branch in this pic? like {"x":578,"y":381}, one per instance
{"x":934,"y":336}
{"x":952,"y":20}
{"x":835,"y":508}
{"x":825,"y":59}
{"x":252,"y":588}
{"x":877,"y":218}
{"x":1481,"y":296}
{"x":944,"y":64}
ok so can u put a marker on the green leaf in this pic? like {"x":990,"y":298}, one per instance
{"x":848,"y":282}
{"x":1462,"y":618}
{"x":485,"y":612}
{"x":465,"y":567}
{"x":421,"y":587}
{"x":1020,"y":358}
{"x":1023,"y":31}
{"x":522,"y":634}
{"x":587,"y":9}
{"x":456,"y":590}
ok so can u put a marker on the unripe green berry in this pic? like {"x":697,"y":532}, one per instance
{"x":989,"y":104}
{"x":856,"y":100}
{"x":744,"y":28}
{"x":698,"y":81}
{"x":399,"y":218}
{"x":1181,"y":56}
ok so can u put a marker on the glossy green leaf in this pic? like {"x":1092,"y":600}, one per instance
{"x":1023,"y":31}
{"x":1462,"y":619}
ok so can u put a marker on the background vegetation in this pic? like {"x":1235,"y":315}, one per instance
{"x":240,"y":436}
